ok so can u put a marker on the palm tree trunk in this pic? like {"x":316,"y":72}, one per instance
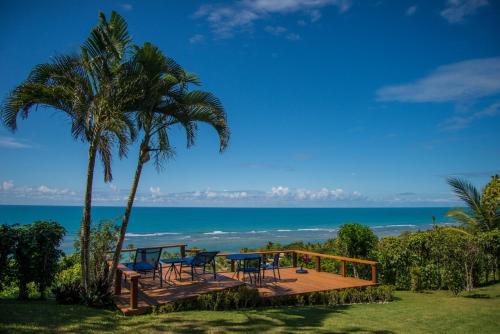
{"x":143,"y":158}
{"x":85,"y":224}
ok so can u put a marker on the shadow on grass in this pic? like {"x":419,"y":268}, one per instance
{"x":48,"y":317}
{"x":478,"y":295}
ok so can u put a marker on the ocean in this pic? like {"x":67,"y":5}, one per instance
{"x":230,"y":229}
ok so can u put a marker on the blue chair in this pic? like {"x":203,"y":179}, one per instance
{"x":252,"y":267}
{"x":201,"y":260}
{"x":274,"y":266}
{"x":147,"y":260}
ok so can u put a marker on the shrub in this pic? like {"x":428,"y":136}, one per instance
{"x":7,"y":242}
{"x":23,"y":256}
{"x":247,"y":297}
{"x":358,"y":241}
{"x":68,"y":292}
{"x":103,"y":239}
{"x":46,"y":253}
{"x":416,"y":279}
{"x":98,"y":293}
{"x":36,"y":255}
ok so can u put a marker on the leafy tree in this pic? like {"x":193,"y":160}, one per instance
{"x":395,"y":261}
{"x":483,"y":209}
{"x":167,"y":102}
{"x":356,"y":240}
{"x":94,"y":89}
{"x":36,"y":255}
{"x":47,"y":237}
{"x":7,"y":243}
{"x":25,"y":271}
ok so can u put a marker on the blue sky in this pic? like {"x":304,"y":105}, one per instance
{"x":330,"y":102}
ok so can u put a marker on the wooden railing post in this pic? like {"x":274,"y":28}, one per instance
{"x":232,"y":266}
{"x":134,"y":291}
{"x":318,"y":263}
{"x":294,"y":259}
{"x":118,"y":282}
{"x":374,"y":273}
{"x":183,"y":250}
{"x":342,"y":268}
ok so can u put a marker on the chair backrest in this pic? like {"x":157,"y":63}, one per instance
{"x":253,"y":263}
{"x":148,"y":255}
{"x":276,"y":259}
{"x":203,"y":258}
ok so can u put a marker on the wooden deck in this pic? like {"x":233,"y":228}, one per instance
{"x":291,"y":283}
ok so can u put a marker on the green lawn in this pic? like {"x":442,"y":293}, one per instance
{"x":411,"y":312}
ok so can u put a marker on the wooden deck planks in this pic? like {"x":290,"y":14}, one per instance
{"x":291,"y":283}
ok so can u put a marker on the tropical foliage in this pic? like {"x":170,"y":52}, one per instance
{"x":482,"y":213}
{"x":167,"y":102}
{"x":110,"y":91}
{"x":32,"y":255}
{"x":95,"y":90}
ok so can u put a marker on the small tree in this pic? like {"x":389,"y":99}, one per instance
{"x":23,"y":252}
{"x":7,"y":242}
{"x":36,"y":254}
{"x":356,"y":240}
{"x":47,"y":237}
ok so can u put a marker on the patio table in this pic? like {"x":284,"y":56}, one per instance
{"x":239,"y":257}
{"x":172,"y":268}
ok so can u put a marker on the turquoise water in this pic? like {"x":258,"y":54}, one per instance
{"x":229,"y":229}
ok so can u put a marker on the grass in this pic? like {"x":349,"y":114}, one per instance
{"x":438,"y":311}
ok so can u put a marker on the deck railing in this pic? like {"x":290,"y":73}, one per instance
{"x":134,"y":276}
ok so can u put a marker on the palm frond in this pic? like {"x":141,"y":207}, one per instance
{"x":462,"y":217}
{"x":467,"y":193}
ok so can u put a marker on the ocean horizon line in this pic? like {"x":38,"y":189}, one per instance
{"x":237,"y":207}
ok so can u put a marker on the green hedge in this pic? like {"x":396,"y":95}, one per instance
{"x":246,"y":297}
{"x":440,"y":258}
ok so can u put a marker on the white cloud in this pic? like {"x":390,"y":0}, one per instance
{"x":463,"y":81}
{"x":113,"y":187}
{"x":464,"y":84}
{"x":321,"y":195}
{"x":282,"y":31}
{"x":225,"y":19}
{"x":7,"y":185}
{"x":457,"y":10}
{"x":275,"y":30}
{"x":155,"y":191}
{"x":196,"y":39}
{"x":315,"y":15}
{"x":279,"y":191}
{"x":43,"y":189}
{"x":10,"y":142}
{"x":410,"y":11}
{"x":459,"y":122}
{"x":127,"y":7}
{"x":293,"y":37}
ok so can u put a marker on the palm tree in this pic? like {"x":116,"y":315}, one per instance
{"x":482,"y":213}
{"x":167,"y":102}
{"x":94,"y":90}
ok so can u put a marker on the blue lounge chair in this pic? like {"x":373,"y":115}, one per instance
{"x":252,"y":267}
{"x":201,"y":260}
{"x":274,"y":266}
{"x":147,"y":260}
